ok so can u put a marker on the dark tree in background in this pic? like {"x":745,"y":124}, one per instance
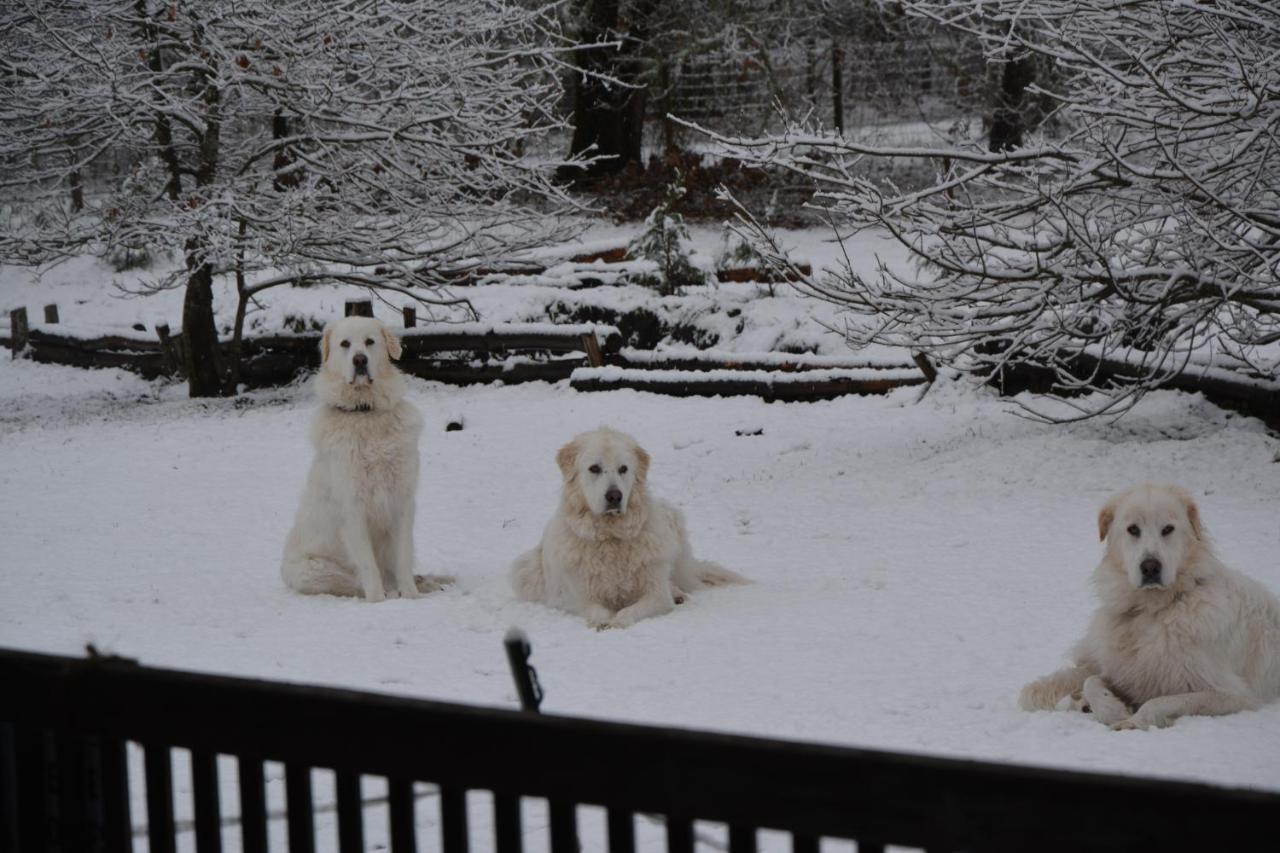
{"x":609,"y":93}
{"x":286,"y":143}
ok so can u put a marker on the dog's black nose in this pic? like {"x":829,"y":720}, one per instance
{"x":1150,"y":571}
{"x":613,"y":497}
{"x":360,"y":360}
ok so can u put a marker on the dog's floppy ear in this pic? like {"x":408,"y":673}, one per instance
{"x":1107,"y":515}
{"x":1193,"y":511}
{"x":567,"y":458}
{"x":642,"y":464}
{"x":324,"y":342}
{"x":392,"y":343}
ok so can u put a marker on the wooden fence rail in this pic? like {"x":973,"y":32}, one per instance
{"x":65,"y":723}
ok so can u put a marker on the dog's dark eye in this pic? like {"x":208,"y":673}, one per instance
{"x":1168,"y":528}
{"x":368,"y":342}
{"x":1133,"y":530}
{"x":594,"y":469}
{"x":622,"y":470}
{"x":346,"y":344}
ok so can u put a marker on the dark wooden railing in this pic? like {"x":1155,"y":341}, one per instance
{"x":64,"y":783}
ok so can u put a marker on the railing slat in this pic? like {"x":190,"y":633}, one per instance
{"x":742,"y":839}
{"x":870,"y":846}
{"x":453,"y":819}
{"x":622,"y":831}
{"x":253,"y":805}
{"x":350,"y":813}
{"x":564,"y":827}
{"x":158,"y":765}
{"x":117,"y":823}
{"x":301,"y":820}
{"x":507,"y":836}
{"x":679,"y":834}
{"x":33,"y":751}
{"x":73,"y":808}
{"x":400,"y":800}
{"x":204,"y":786}
{"x":801,"y":843}
{"x":8,"y":791}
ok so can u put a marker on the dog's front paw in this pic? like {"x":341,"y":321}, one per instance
{"x":432,"y":583}
{"x":1153,"y":714}
{"x":373,"y":596}
{"x":599,"y":617}
{"x":1072,"y":702}
{"x":1127,"y":725}
{"x":408,"y":591}
{"x":1107,"y":707}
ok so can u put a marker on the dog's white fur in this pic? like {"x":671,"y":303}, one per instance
{"x":612,"y":563}
{"x":1194,"y":637}
{"x":353,"y":534}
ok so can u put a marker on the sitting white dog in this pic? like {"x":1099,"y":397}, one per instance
{"x":612,"y":553}
{"x":353,"y":534}
{"x":1178,"y":633}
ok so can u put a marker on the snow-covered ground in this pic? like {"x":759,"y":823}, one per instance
{"x":914,"y":563}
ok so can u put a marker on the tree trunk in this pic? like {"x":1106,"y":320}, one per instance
{"x":837,"y":87}
{"x":608,"y":119}
{"x":1007,"y":126}
{"x":199,"y":331}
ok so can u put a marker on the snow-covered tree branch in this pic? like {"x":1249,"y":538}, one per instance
{"x":286,"y":142}
{"x":1143,"y":227}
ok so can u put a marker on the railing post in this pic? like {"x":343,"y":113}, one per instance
{"x":564,"y":816}
{"x":51,"y":314}
{"x":410,"y":316}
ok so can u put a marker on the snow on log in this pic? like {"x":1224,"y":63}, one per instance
{"x":692,"y":358}
{"x":818,"y":384}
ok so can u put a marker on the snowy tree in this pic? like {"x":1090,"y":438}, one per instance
{"x":1141,"y":228}
{"x":293,"y":142}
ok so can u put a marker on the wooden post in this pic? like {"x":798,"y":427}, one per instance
{"x":592,"y":348}
{"x":926,"y":367}
{"x":168,"y":351}
{"x":18,"y":330}
{"x":51,"y":313}
{"x":359,"y":308}
{"x":410,"y":316}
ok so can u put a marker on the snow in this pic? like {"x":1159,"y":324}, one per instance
{"x":781,"y":359}
{"x":913,"y":564}
{"x":600,"y":330}
{"x":768,"y":377}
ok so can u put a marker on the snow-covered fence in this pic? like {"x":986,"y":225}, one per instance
{"x":459,"y":353}
{"x":67,"y":726}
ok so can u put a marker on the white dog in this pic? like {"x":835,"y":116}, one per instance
{"x":1178,"y":633}
{"x":353,"y":534}
{"x":612,"y":553}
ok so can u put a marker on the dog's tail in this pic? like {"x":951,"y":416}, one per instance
{"x":707,"y":573}
{"x":527,"y":579}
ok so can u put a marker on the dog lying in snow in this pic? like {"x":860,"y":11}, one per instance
{"x":353,"y":534}
{"x":612,"y":553}
{"x":1177,"y":633}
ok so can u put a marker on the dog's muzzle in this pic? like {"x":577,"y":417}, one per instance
{"x":613,"y":501}
{"x":1152,"y":572}
{"x":360,"y":363}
